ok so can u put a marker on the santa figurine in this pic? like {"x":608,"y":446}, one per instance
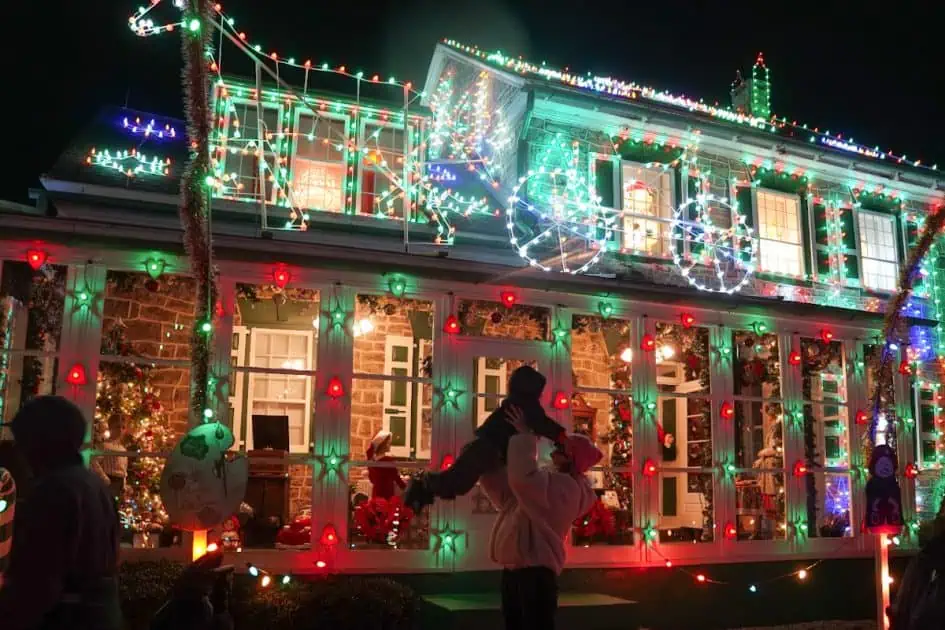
{"x":883,"y":498}
{"x":384,"y":481}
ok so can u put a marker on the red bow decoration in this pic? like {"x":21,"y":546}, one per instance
{"x":599,"y":521}
{"x":376,"y":518}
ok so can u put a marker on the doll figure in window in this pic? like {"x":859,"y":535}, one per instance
{"x":769,"y":458}
{"x":668,"y":443}
{"x":384,"y":481}
{"x":883,"y":497}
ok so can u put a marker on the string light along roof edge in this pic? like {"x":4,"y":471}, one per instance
{"x":630,"y":92}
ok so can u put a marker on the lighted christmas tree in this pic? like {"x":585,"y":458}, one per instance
{"x":129,"y":417}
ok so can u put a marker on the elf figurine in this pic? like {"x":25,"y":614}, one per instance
{"x":883,"y":498}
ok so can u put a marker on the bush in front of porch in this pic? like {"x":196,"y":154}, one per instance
{"x":350,"y":602}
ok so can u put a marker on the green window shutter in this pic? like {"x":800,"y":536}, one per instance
{"x":743,"y":197}
{"x":850,"y":268}
{"x":823,"y":264}
{"x":821,"y":229}
{"x":604,"y":182}
{"x":806,"y":239}
{"x":848,"y":230}
{"x":669,"y":496}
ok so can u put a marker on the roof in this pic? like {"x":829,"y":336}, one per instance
{"x":633,"y":92}
{"x":133,"y":140}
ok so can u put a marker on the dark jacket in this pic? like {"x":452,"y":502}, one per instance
{"x":64,"y":562}
{"x":525,"y":388}
{"x":920,"y":602}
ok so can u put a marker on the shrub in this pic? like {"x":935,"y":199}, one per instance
{"x":143,"y":588}
{"x":349,"y":602}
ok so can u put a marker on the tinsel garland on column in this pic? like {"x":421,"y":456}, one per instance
{"x":195,"y":197}
{"x":891,"y":330}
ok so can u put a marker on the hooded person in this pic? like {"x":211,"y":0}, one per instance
{"x":64,"y":562}
{"x":384,"y":481}
{"x":487,"y":451}
{"x":537,"y":507}
{"x":920,"y":600}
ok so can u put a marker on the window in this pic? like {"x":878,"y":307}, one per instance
{"x":492,"y":379}
{"x":282,"y":394}
{"x":318,"y":167}
{"x":878,"y":250}
{"x":382,"y":171}
{"x":780,"y":232}
{"x":400,"y":360}
{"x":646,"y":201}
{"x":243,"y":145}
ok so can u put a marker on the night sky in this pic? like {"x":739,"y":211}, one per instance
{"x":867,"y":72}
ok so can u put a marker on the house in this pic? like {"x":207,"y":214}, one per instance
{"x":704,"y":287}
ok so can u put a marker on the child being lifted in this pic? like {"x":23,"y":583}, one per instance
{"x":486,"y":453}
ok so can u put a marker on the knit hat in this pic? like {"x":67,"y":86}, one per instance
{"x":584,"y":454}
{"x":381,"y":437}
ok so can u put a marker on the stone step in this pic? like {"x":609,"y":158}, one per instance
{"x":576,"y":611}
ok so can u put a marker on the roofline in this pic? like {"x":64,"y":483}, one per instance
{"x":732,"y":138}
{"x":443,"y":53}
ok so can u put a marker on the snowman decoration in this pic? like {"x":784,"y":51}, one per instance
{"x":883,"y":497}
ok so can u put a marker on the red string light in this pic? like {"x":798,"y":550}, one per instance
{"x":508,"y":299}
{"x":826,"y":335}
{"x":281,"y":277}
{"x":451,"y":326}
{"x":648,"y":343}
{"x":329,"y":535}
{"x":794,"y":358}
{"x":36,"y":258}
{"x":561,"y":401}
{"x":862,"y":417}
{"x":335,"y":387}
{"x":649,"y":468}
{"x":687,"y":320}
{"x":727,"y":411}
{"x":76,"y":375}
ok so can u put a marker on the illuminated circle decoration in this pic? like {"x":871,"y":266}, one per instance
{"x":698,"y":241}
{"x":565,"y":222}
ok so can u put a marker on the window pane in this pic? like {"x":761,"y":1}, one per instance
{"x":36,"y":301}
{"x":377,"y":518}
{"x":491,"y":376}
{"x":600,"y":352}
{"x":886,"y":431}
{"x":780,"y":233}
{"x":320,"y":138}
{"x":682,"y":359}
{"x":880,"y":275}
{"x":877,"y":236}
{"x":646,"y":193}
{"x":783,"y":258}
{"x":491,"y":319}
{"x":382,"y":171}
{"x":318,"y":185}
{"x":828,"y":505}
{"x":760,"y":501}
{"x":274,"y":328}
{"x":822,"y":371}
{"x":686,"y":511}
{"x":607,"y":420}
{"x":826,"y":435}
{"x":392,"y":337}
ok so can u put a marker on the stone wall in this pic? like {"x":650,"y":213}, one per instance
{"x":590,"y":364}
{"x":157,"y":316}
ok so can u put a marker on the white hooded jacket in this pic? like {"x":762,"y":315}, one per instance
{"x":536,"y":508}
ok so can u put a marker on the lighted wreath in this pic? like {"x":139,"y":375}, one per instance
{"x":599,"y":521}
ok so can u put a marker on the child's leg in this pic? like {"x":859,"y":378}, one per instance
{"x":538,"y":587}
{"x":477,"y":458}
{"x":512,"y":611}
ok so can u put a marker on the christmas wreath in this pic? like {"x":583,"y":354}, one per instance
{"x":599,"y":521}
{"x":382,"y":520}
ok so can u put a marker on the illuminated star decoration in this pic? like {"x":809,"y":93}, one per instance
{"x":332,"y":462}
{"x":450,"y":396}
{"x":445,"y":538}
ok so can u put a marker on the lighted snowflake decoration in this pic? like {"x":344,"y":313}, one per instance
{"x":713,"y":245}
{"x":555,"y":221}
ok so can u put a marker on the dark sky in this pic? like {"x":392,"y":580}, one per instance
{"x":871,"y":73}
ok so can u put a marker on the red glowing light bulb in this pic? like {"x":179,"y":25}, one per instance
{"x":329,"y":535}
{"x":794,"y":358}
{"x":335,"y":388}
{"x":862,"y":417}
{"x":700,"y":578}
{"x":904,"y":368}
{"x":36,"y":258}
{"x":911,"y":471}
{"x":649,"y":468}
{"x":76,"y":375}
{"x":687,"y":320}
{"x":800,"y":468}
{"x":561,"y":401}
{"x":447,"y":462}
{"x":281,"y":277}
{"x":727,"y":411}
{"x":669,"y":564}
{"x":508,"y":298}
{"x":730,"y":530}
{"x":648,"y":343}
{"x":827,"y":335}
{"x":452,"y":325}
{"x":320,"y":564}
